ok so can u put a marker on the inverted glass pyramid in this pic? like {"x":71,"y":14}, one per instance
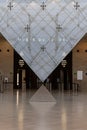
{"x":43,"y":32}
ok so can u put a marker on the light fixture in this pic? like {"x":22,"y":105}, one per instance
{"x":21,"y":63}
{"x":64,"y":63}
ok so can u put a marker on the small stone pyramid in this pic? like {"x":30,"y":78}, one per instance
{"x":42,"y":95}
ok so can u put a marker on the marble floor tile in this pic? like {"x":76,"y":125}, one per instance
{"x":69,"y":112}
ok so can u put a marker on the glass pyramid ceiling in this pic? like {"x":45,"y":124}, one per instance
{"x":43,"y":32}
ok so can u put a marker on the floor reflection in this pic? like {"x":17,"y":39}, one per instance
{"x":68,"y":113}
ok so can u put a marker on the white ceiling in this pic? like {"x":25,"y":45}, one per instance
{"x":53,"y":30}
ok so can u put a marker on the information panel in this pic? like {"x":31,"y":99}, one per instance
{"x":79,"y":75}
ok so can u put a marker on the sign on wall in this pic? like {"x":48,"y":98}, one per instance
{"x":79,"y":75}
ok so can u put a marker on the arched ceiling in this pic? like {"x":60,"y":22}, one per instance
{"x":43,"y":32}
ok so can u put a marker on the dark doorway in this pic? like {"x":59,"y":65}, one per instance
{"x":61,"y":78}
{"x":24,"y":77}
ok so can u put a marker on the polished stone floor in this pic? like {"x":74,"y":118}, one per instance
{"x":68,"y":113}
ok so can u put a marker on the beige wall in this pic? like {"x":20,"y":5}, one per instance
{"x":80,"y":63}
{"x":6,"y":60}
